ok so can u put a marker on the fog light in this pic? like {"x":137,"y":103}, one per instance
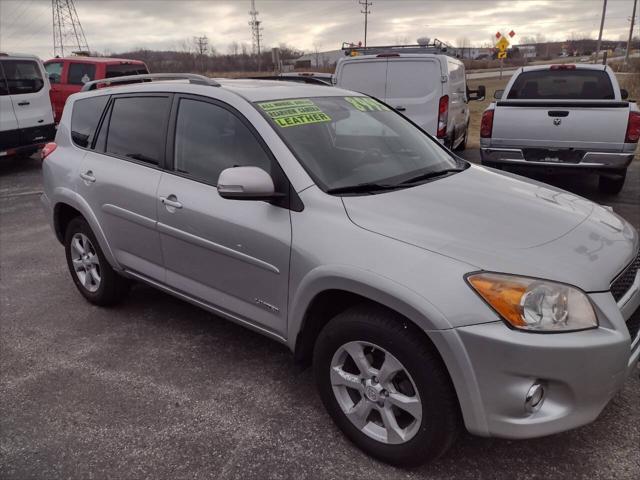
{"x":534,"y":398}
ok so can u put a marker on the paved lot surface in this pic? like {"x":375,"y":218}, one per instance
{"x":156,"y":388}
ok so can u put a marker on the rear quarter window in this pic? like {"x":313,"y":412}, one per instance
{"x":125,"y":69}
{"x":85,"y":118}
{"x":562,"y":84}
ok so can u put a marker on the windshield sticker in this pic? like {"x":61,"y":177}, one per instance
{"x":289,"y":113}
{"x":366,"y":104}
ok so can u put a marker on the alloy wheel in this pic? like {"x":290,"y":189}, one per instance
{"x":376,"y":392}
{"x":86,"y":263}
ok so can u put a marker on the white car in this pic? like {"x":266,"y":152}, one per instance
{"x":429,"y":89}
{"x":26,"y":116}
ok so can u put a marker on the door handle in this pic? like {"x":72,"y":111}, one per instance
{"x":171,"y":201}
{"x":24,"y":104}
{"x":88,"y":176}
{"x":400,"y":108}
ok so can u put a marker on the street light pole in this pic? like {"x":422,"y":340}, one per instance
{"x":633,"y":18}
{"x":604,"y":11}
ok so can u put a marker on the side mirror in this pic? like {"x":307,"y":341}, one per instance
{"x":624,"y":93}
{"x":246,"y":183}
{"x":498,"y":94}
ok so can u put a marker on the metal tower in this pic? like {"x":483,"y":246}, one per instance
{"x":68,"y":35}
{"x":256,"y":31}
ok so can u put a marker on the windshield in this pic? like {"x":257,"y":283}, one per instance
{"x":355,"y":141}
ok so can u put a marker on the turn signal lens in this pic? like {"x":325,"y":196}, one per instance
{"x":535,"y":305}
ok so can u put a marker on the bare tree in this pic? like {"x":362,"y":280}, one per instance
{"x":234,"y":48}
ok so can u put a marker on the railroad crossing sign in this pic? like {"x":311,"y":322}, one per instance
{"x":502,"y":44}
{"x":502,"y":54}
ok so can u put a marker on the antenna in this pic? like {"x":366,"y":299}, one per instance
{"x":256,"y":31}
{"x":67,"y":31}
{"x":366,"y":4}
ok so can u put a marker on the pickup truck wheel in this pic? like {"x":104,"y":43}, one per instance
{"x":92,"y":274}
{"x":385,"y":387}
{"x":611,"y":185}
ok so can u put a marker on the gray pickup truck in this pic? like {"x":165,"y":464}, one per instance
{"x":570,"y":117}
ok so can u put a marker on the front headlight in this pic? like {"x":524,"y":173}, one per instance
{"x":535,"y":305}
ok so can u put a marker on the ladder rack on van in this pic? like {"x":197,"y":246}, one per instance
{"x":435,"y":47}
{"x":192,"y":77}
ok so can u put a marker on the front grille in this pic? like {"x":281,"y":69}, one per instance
{"x":623,"y":282}
{"x":633,"y":324}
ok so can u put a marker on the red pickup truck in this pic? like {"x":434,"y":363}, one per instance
{"x":68,"y":75}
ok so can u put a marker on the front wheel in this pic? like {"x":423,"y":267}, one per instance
{"x":385,"y":387}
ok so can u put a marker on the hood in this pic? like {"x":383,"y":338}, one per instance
{"x":505,"y":223}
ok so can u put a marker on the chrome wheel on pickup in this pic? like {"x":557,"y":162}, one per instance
{"x":385,"y":385}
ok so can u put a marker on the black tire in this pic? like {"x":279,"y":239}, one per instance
{"x":497,"y":166}
{"x":112,"y":287}
{"x":440,"y":422}
{"x":611,"y":184}
{"x":463,"y":144}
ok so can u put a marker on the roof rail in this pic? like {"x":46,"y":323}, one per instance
{"x":435,"y":46}
{"x":192,"y":77}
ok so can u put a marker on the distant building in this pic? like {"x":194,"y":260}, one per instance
{"x":319,"y":59}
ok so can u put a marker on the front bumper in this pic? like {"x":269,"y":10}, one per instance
{"x":580,"y":372}
{"x":590,"y":160}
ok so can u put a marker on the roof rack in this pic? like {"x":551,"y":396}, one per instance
{"x":436,"y":46}
{"x":192,"y":77}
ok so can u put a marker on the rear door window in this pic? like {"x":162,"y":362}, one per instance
{"x":4,"y":89}
{"x":85,"y":118}
{"x":54,"y":71}
{"x":81,"y":73}
{"x":123,"y":70}
{"x":562,"y":84}
{"x":137,"y":128}
{"x":22,"y":76}
{"x":411,"y":79}
{"x":369,"y":77}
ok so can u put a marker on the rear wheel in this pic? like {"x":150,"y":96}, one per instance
{"x":463,"y":144}
{"x":385,"y":387}
{"x":90,"y":271}
{"x":611,"y":184}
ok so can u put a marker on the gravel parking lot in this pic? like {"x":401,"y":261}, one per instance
{"x":156,"y":388}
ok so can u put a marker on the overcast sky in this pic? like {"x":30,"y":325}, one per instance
{"x":116,"y":26}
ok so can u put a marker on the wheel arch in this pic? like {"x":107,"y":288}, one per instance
{"x":68,"y":205}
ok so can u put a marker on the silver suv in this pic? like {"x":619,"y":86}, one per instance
{"x":426,"y":291}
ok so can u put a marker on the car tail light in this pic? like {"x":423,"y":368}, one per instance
{"x":486,"y":126}
{"x":443,"y":116}
{"x":562,"y":67}
{"x":48,"y":150}
{"x":633,"y":128}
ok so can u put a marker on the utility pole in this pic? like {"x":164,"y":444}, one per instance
{"x":67,"y":30}
{"x":604,"y":11}
{"x":256,"y":31}
{"x":633,"y":18}
{"x":366,"y":4}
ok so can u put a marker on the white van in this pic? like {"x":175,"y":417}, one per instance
{"x":430,"y":89}
{"x":26,"y":116}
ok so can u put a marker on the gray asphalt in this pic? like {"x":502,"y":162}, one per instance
{"x":157,"y":388}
